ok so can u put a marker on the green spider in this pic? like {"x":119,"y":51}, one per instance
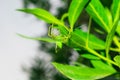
{"x":56,"y":35}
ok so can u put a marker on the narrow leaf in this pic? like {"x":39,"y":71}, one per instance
{"x":75,"y":9}
{"x":116,"y":10}
{"x":109,"y":16}
{"x":96,"y":10}
{"x":115,"y":13}
{"x":41,"y":39}
{"x":118,"y":28}
{"x":110,"y":38}
{"x":43,"y":14}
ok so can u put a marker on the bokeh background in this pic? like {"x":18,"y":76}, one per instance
{"x":14,"y":50}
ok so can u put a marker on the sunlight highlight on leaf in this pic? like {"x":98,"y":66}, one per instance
{"x":75,"y":9}
{"x":43,"y":14}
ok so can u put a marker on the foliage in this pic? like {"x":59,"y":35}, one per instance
{"x":107,"y":19}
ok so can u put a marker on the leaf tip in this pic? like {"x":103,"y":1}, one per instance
{"x":19,"y":9}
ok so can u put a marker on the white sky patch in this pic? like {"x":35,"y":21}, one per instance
{"x":14,"y":50}
{"x":55,"y":4}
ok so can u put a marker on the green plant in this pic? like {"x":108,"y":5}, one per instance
{"x":98,"y":50}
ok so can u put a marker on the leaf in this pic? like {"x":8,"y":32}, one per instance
{"x":78,"y":40}
{"x":115,"y":13}
{"x":98,"y":13}
{"x":75,"y":9}
{"x":98,"y":64}
{"x":89,"y":56}
{"x":43,"y":14}
{"x":82,"y":73}
{"x":109,"y":16}
{"x":118,"y":28}
{"x":59,"y":44}
{"x":110,"y":38}
{"x":41,"y":39}
{"x":117,"y":59}
{"x":116,"y":10}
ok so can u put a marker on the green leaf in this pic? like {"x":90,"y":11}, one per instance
{"x":98,"y":13}
{"x":110,"y":38}
{"x":59,"y":44}
{"x":78,"y":40}
{"x":109,"y":16}
{"x":41,"y":39}
{"x":89,"y":56}
{"x":116,"y":10}
{"x":115,"y":13}
{"x":117,"y":59}
{"x":118,"y":28}
{"x":43,"y":14}
{"x":98,"y":64}
{"x":82,"y":73}
{"x":75,"y":9}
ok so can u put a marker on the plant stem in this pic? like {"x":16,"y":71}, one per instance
{"x":89,"y":25}
{"x":62,"y":19}
{"x":115,"y":49}
{"x":100,"y":56}
{"x":116,"y":41}
{"x":66,"y":28}
{"x":64,"y":16}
